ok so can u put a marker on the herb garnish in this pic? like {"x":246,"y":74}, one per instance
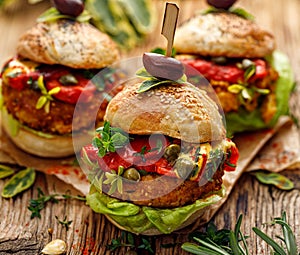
{"x":276,"y":179}
{"x":44,"y":100}
{"x":141,"y":244}
{"x":144,"y":150}
{"x":233,"y":242}
{"x":36,"y":205}
{"x":65,"y":223}
{"x":242,"y":88}
{"x":237,"y":11}
{"x":151,"y":81}
{"x":115,"y":180}
{"x":109,"y":139}
{"x":19,"y":182}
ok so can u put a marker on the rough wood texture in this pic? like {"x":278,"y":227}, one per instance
{"x":89,"y":233}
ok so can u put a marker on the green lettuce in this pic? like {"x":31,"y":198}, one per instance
{"x":244,"y":121}
{"x":138,"y":219}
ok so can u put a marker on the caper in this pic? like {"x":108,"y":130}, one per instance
{"x":132,"y":174}
{"x":219,"y":60}
{"x":184,"y":167}
{"x":69,"y":7}
{"x":221,"y":4}
{"x":163,"y":67}
{"x":68,"y":79}
{"x":171,"y":152}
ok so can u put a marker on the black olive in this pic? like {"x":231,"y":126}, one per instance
{"x":163,"y":67}
{"x":221,"y":4}
{"x":69,"y":7}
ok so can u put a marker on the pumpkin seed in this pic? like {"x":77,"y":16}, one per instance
{"x":55,"y":247}
{"x":19,"y":182}
{"x":276,"y":179}
{"x":5,"y":171}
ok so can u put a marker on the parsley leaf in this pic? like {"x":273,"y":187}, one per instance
{"x":109,"y":139}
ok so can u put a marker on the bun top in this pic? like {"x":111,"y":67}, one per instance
{"x":181,"y":111}
{"x":223,"y":34}
{"x":69,"y":43}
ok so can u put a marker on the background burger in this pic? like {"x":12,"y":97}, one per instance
{"x":54,"y":66}
{"x":157,"y":163}
{"x":252,"y":80}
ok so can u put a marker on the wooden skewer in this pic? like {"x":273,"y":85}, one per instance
{"x":169,"y":25}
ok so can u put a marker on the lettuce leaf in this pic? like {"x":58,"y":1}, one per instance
{"x":245,"y":121}
{"x":138,"y":219}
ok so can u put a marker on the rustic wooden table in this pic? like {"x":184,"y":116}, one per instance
{"x":90,"y":233}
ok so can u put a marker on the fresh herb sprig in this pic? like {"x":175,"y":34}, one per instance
{"x":233,"y":242}
{"x":242,"y":88}
{"x":65,"y":222}
{"x":37,"y":205}
{"x":109,"y":139}
{"x":218,"y":242}
{"x":138,"y":244}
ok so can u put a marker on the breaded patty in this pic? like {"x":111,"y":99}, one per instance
{"x":168,"y":192}
{"x":22,"y":105}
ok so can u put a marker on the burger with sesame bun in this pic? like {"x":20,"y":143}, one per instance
{"x":252,"y":80}
{"x":56,"y":63}
{"x":157,"y":163}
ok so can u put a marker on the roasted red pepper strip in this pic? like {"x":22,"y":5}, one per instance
{"x":230,"y":73}
{"x":231,"y":159}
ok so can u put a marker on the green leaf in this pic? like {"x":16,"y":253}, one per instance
{"x":247,"y":94}
{"x":41,"y":102}
{"x":139,"y":13}
{"x":119,"y":140}
{"x":235,"y":88}
{"x":269,"y":241}
{"x":276,"y":179}
{"x":5,"y":171}
{"x":242,"y":13}
{"x":262,"y":91}
{"x":249,"y":72}
{"x":19,"y":182}
{"x":234,"y":243}
{"x":50,"y":15}
{"x":148,"y":84}
{"x":289,"y":237}
{"x":199,"y":250}
{"x":212,"y":247}
{"x":54,"y":91}
{"x":143,"y":73}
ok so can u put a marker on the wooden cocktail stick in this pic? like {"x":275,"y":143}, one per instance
{"x":169,"y":25}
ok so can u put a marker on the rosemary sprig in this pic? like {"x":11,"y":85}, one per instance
{"x":36,"y":205}
{"x":229,"y":242}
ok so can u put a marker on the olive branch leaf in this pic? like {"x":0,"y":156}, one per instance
{"x":151,"y":81}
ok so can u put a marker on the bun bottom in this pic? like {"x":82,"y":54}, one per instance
{"x":54,"y":146}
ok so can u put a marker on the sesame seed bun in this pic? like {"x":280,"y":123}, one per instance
{"x":68,"y":43}
{"x":223,"y":34}
{"x":180,"y":111}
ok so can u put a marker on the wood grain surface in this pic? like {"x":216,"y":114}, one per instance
{"x":90,"y":233}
